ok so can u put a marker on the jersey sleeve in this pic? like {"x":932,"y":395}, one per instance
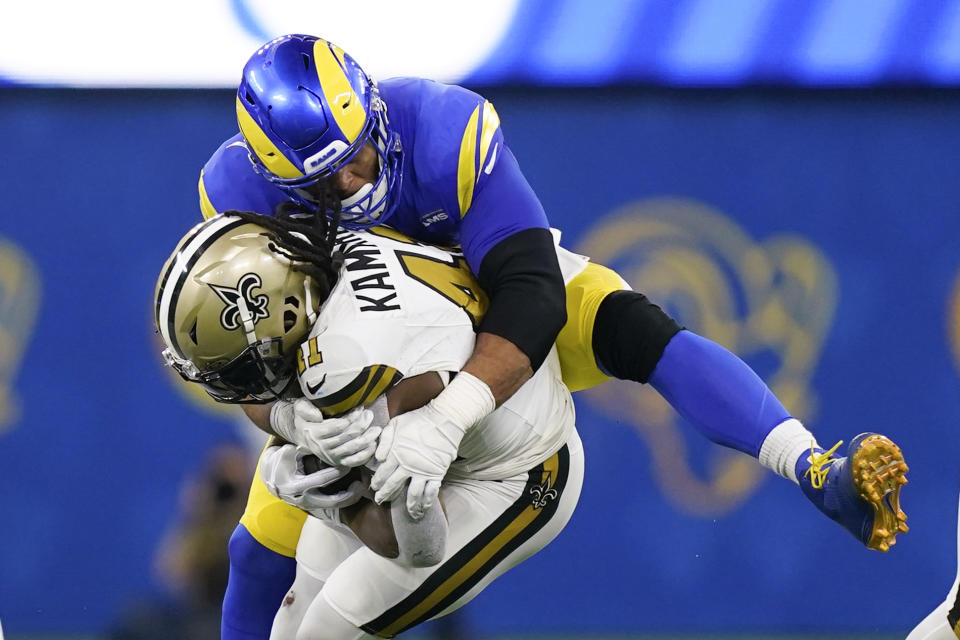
{"x":356,"y":353}
{"x":461,"y":152}
{"x":228,"y":181}
{"x":494,"y":199}
{"x":503,"y":204}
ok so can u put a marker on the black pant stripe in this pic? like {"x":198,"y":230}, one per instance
{"x":445,"y":571}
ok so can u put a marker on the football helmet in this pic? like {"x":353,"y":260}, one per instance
{"x":305,"y":108}
{"x":232,"y":311}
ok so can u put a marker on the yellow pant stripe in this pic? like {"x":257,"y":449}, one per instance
{"x":467,"y":567}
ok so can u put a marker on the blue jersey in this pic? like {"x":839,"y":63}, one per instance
{"x":461,"y":184}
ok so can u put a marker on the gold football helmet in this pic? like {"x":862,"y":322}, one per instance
{"x":232,"y":311}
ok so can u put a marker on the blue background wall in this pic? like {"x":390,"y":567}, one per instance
{"x":844,"y":204}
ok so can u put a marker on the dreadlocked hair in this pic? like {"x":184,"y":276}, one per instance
{"x":306,"y":237}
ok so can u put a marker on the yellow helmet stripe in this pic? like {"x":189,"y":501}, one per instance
{"x":347,"y":110}
{"x":206,"y":207}
{"x":491,"y":122}
{"x":275,"y":162}
{"x":467,"y":167}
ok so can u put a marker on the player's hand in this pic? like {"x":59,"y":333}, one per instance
{"x":348,"y":441}
{"x":297,"y":477}
{"x":418,"y":446}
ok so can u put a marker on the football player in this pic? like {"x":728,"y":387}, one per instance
{"x":431,"y":161}
{"x":239,"y":308}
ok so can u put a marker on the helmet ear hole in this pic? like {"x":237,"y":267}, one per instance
{"x":289,"y":320}
{"x":193,"y":331}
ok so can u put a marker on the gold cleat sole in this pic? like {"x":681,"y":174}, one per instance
{"x":879,"y":472}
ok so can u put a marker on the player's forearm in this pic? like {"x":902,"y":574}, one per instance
{"x":500,"y":364}
{"x":527,"y":310}
{"x":259,"y":415}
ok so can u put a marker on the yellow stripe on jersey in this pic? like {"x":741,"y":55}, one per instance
{"x":550,"y":474}
{"x":466,"y":167}
{"x":491,"y":122}
{"x":206,"y":207}
{"x":368,"y":384}
{"x":348,"y":111}
{"x":275,"y":162}
{"x":468,"y":171}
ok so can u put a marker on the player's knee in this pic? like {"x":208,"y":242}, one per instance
{"x":630,"y":334}
{"x":324,"y":623}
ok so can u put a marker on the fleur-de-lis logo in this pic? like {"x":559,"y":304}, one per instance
{"x":256,"y":306}
{"x":543,"y":493}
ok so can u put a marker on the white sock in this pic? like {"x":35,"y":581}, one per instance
{"x":784,"y":445}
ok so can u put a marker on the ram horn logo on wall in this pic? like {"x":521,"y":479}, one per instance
{"x":19,"y":296}
{"x":771,"y":302}
{"x":953,"y":321}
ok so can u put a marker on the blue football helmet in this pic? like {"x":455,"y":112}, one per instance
{"x":305,"y":108}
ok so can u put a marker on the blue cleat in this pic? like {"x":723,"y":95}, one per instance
{"x":861,"y":491}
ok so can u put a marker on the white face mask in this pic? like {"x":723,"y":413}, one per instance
{"x":359,"y":204}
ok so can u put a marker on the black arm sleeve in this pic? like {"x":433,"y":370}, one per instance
{"x":527,"y":297}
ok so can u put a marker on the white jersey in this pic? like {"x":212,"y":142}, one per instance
{"x":401,"y":308}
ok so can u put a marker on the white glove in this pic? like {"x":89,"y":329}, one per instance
{"x":422,"y":444}
{"x":348,"y":441}
{"x":294,"y":475}
{"x":418,"y":446}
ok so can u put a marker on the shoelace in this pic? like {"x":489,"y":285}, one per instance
{"x":816,"y":471}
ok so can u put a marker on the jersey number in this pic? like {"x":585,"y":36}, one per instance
{"x":453,"y":280}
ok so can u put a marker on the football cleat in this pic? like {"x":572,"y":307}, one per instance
{"x":861,"y":491}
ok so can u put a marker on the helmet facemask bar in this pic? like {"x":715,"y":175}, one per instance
{"x":374,"y":203}
{"x":258,"y":375}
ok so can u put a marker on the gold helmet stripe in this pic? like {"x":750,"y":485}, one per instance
{"x":275,"y":162}
{"x":176,"y":271}
{"x":347,"y":110}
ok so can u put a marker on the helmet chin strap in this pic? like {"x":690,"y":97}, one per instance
{"x":308,"y":302}
{"x":361,"y":193}
{"x":247,"y":319}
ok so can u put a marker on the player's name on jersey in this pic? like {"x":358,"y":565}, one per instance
{"x":367,"y":272}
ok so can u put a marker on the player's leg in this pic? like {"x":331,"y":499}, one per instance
{"x":322,"y":547}
{"x":262,"y":565}
{"x":943,"y":623}
{"x":294,"y":606}
{"x":493,"y":526}
{"x":631,"y":338}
